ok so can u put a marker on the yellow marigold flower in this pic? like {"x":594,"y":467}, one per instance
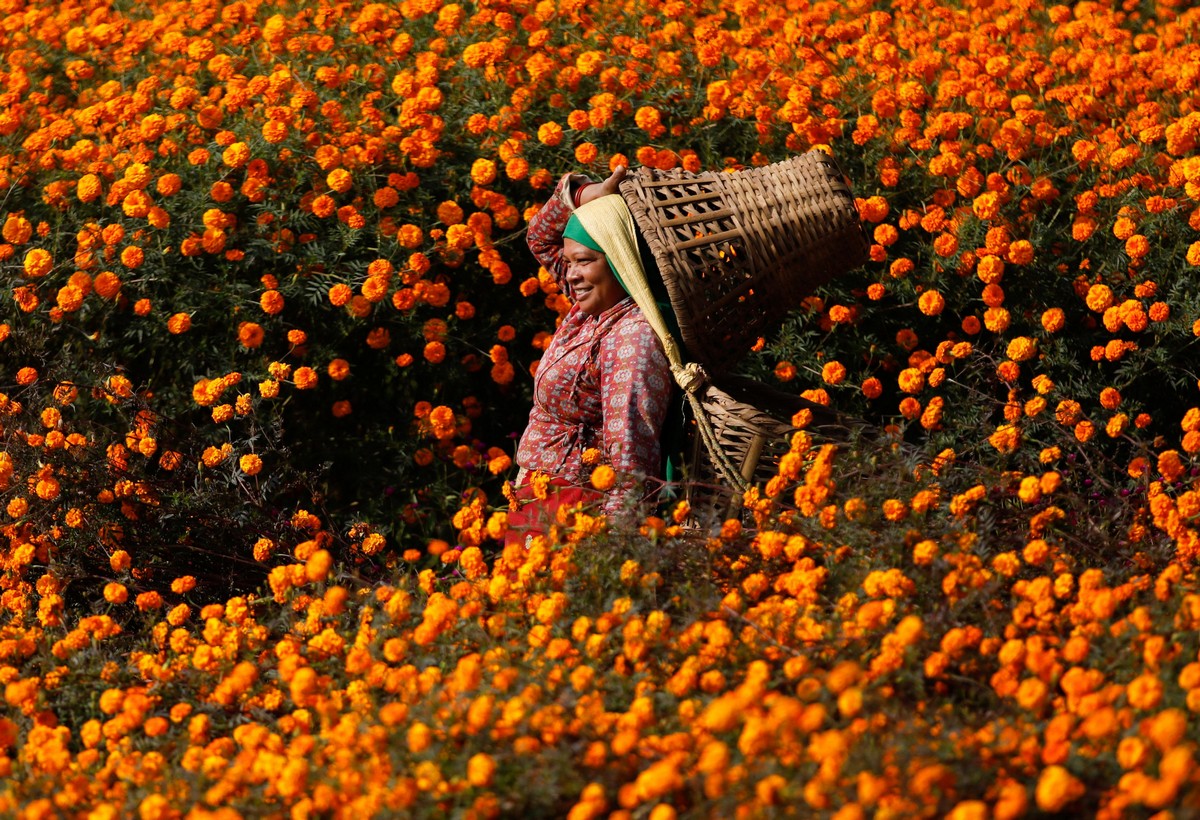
{"x":236,"y":155}
{"x":340,"y":180}
{"x":17,"y":229}
{"x":480,"y":770}
{"x":318,"y":565}
{"x":88,"y":188}
{"x":1099,"y":298}
{"x":373,"y":543}
{"x":115,"y":593}
{"x":1057,"y":788}
{"x":911,"y":380}
{"x":38,"y":263}
{"x":483,"y":171}
{"x":250,"y":464}
{"x":931,"y":303}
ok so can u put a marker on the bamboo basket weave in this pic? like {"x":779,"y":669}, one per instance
{"x":738,"y":251}
{"x":752,"y":422}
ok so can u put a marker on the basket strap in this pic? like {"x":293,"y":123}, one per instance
{"x":609,"y":221}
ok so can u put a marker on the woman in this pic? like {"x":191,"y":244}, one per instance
{"x":603,"y":386}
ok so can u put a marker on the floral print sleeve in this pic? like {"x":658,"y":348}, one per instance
{"x":545,"y":234}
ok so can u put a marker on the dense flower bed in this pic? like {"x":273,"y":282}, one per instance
{"x":270,"y":338}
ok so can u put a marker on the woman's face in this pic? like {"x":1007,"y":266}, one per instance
{"x":592,"y":282}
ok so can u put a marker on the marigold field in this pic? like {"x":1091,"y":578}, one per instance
{"x":266,"y":342}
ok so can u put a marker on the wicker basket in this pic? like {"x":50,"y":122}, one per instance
{"x":738,"y":251}
{"x":752,"y":422}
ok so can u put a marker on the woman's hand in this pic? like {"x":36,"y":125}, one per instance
{"x":608,"y":186}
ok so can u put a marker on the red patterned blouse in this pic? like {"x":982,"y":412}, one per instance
{"x":604,"y":382}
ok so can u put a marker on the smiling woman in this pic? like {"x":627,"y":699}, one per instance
{"x":602,"y":390}
{"x":590,"y":278}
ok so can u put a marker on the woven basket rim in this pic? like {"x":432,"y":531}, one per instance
{"x":721,"y":184}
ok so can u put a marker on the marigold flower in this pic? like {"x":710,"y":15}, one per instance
{"x":1053,"y":320}
{"x":236,"y":155}
{"x":603,"y":478}
{"x":911,"y":380}
{"x":1056,"y":789}
{"x":148,"y":601}
{"x":931,"y":303}
{"x":338,"y":369}
{"x":38,"y":263}
{"x":1022,"y":349}
{"x":833,"y":373}
{"x":448,"y":213}
{"x":271,"y":302}
{"x":115,"y":593}
{"x":305,"y":378}
{"x":250,"y":464}
{"x":179,"y":323}
{"x":1099,"y":298}
{"x":250,"y":334}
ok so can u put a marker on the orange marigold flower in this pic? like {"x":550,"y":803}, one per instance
{"x":271,"y":302}
{"x":483,"y":171}
{"x":1099,"y":298}
{"x":38,"y":263}
{"x":305,"y":378}
{"x":603,"y":477}
{"x":550,"y":134}
{"x":340,"y":180}
{"x":931,"y":303}
{"x":236,"y":155}
{"x":449,"y":213}
{"x":434,"y":352}
{"x":1053,"y":320}
{"x":586,"y":152}
{"x":338,"y":369}
{"x":1022,"y":349}
{"x":148,"y":601}
{"x":340,"y":294}
{"x":179,"y":323}
{"x":250,"y":334}
{"x":833,"y":372}
{"x":1056,"y":789}
{"x":1137,"y":246}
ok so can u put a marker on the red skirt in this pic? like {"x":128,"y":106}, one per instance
{"x":535,"y":516}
